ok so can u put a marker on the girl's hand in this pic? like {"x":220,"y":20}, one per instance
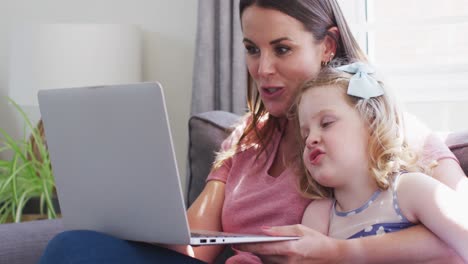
{"x":312,"y":247}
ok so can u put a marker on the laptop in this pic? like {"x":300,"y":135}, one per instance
{"x":115,"y":168}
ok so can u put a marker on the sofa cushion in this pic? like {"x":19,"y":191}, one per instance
{"x":206,"y":133}
{"x":23,"y":243}
{"x":458,"y":143}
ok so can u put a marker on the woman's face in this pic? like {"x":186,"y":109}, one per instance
{"x":281,"y":54}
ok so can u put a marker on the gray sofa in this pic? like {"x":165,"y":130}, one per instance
{"x":23,"y":243}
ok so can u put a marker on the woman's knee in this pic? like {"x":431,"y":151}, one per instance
{"x":76,"y":237}
{"x":65,"y":245}
{"x":82,"y":246}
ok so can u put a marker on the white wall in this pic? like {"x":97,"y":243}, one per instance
{"x":169,"y":30}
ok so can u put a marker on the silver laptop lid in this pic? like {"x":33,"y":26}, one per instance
{"x":108,"y":146}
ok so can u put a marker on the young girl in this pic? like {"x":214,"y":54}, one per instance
{"x":365,"y":179}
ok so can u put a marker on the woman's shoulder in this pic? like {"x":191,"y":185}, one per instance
{"x":245,"y":128}
{"x":416,"y":131}
{"x":237,"y":131}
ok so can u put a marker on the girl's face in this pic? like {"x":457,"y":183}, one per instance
{"x":335,"y":136}
{"x":281,"y":55}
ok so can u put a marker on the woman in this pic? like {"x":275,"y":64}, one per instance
{"x":286,"y":43}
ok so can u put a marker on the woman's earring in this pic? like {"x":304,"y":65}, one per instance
{"x":331,"y":57}
{"x":325,"y":63}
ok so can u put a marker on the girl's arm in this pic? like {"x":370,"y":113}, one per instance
{"x":205,"y":214}
{"x":438,"y":207}
{"x":449,"y":172}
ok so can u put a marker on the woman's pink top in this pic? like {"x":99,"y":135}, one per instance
{"x":420,"y":137}
{"x":254,"y":199}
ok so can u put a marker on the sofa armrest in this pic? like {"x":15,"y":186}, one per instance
{"x":206,"y":133}
{"x":24,"y":243}
{"x":458,"y":144}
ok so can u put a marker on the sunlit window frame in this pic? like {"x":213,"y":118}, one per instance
{"x":363,"y":25}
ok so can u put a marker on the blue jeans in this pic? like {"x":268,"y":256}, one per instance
{"x":90,"y":247}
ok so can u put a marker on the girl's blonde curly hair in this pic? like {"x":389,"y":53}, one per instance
{"x":388,"y":150}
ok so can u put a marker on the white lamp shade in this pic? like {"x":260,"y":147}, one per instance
{"x":52,"y":56}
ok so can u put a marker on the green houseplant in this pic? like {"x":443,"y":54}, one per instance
{"x":27,"y":175}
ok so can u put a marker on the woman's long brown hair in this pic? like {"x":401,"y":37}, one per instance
{"x":317,"y":16}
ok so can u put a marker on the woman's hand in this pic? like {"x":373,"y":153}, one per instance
{"x":312,"y":247}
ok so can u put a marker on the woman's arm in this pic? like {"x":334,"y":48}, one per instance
{"x":205,"y":213}
{"x":432,"y":147}
{"x":399,"y":247}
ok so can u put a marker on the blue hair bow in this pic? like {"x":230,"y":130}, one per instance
{"x":362,"y":84}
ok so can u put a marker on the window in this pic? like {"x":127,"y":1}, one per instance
{"x":421,"y":46}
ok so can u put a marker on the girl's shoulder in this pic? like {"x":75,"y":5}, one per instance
{"x":317,"y":215}
{"x":409,"y":179}
{"x":318,"y":206}
{"x":409,"y":182}
{"x":411,"y":189}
